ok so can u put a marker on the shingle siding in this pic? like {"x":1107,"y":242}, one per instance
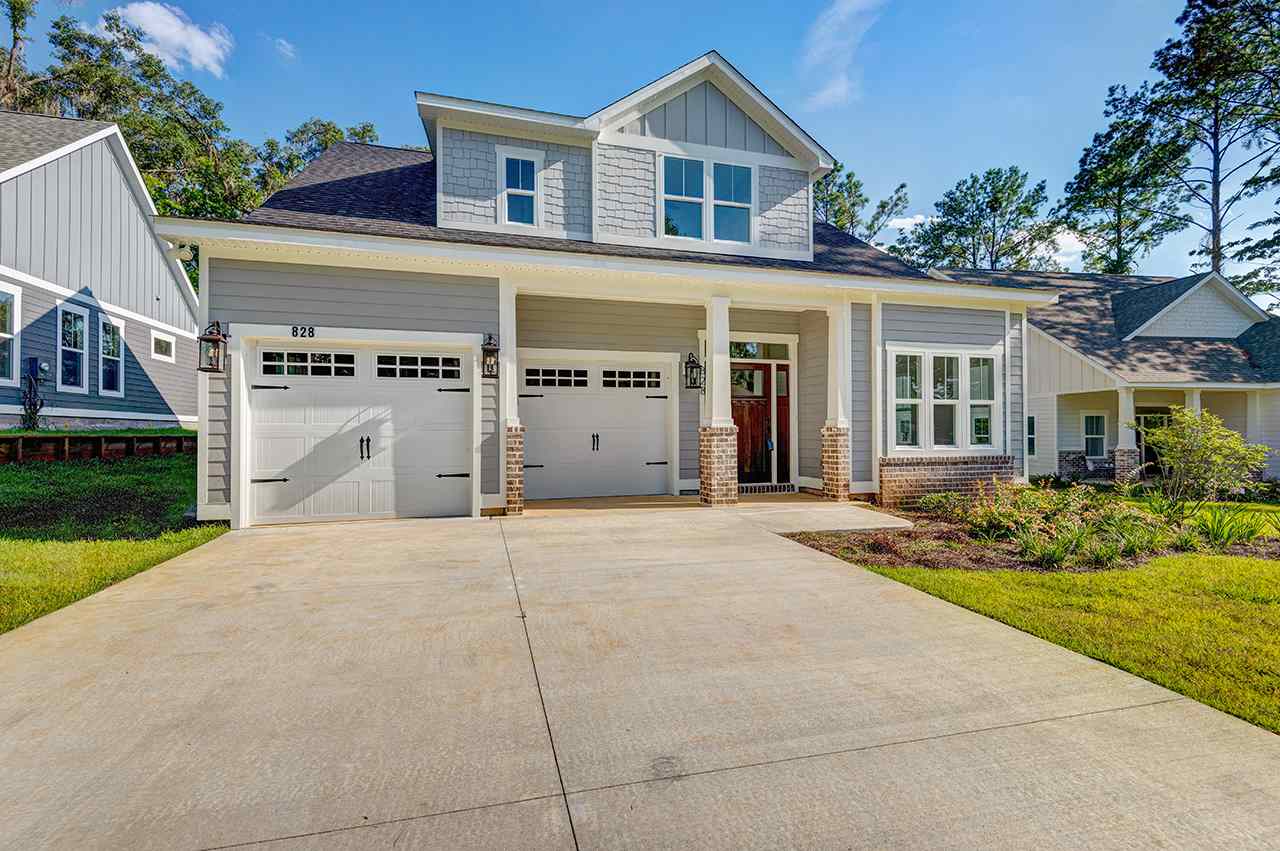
{"x":784,"y":209}
{"x":627,"y":191}
{"x":1207,"y":312}
{"x":469,"y":181}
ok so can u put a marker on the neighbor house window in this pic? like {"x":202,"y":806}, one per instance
{"x":982,"y":399}
{"x":73,"y":337}
{"x":946,"y":401}
{"x":682,"y":191}
{"x":1031,"y":437}
{"x":519,"y":172}
{"x":1095,"y":435}
{"x":732,"y":193}
{"x":907,"y":394}
{"x":110,"y":356}
{"x":162,"y":346}
{"x":10,"y":313}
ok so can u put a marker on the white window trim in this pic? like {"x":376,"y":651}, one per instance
{"x":107,"y":319}
{"x":308,"y":378}
{"x":539,"y":158}
{"x":955,"y":404}
{"x":14,"y":379}
{"x":707,"y":201}
{"x":173,"y":346}
{"x":963,"y":445}
{"x":749,"y":207}
{"x":1084,"y":436}
{"x":68,"y":307}
{"x":1032,"y":434}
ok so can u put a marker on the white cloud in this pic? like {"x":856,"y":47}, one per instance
{"x":907,"y":222}
{"x":830,"y":48}
{"x":1070,"y":250}
{"x":172,"y":36}
{"x":285,"y":48}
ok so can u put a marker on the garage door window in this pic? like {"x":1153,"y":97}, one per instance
{"x":555,"y":377}
{"x":622,"y":379}
{"x":419,"y":366}
{"x":312,"y":364}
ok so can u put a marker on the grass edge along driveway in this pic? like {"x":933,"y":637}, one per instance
{"x":1205,"y":626}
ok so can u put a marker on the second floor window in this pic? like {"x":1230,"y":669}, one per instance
{"x":521,"y":190}
{"x":682,"y":191}
{"x":732,"y":185}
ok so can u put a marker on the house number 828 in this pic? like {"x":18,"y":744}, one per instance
{"x":304,"y":330}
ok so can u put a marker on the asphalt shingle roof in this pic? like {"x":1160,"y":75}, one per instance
{"x":1094,"y":313}
{"x":23,"y":136}
{"x":378,"y":191}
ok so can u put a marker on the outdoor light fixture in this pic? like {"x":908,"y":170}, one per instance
{"x":213,"y":349}
{"x":695,"y":374}
{"x":489,"y":357}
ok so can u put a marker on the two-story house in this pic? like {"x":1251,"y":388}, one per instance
{"x":667,"y":315}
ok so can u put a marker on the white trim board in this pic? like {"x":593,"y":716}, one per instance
{"x":105,"y":414}
{"x":25,"y":280}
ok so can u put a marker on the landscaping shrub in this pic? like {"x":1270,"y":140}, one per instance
{"x":1201,"y":460}
{"x":1224,"y":526}
{"x":1187,"y":540}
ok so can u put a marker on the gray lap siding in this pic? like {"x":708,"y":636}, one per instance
{"x":151,"y":387}
{"x":295,"y":294}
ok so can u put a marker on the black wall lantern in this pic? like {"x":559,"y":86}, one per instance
{"x":489,"y":357}
{"x":695,"y":374}
{"x":213,"y":349}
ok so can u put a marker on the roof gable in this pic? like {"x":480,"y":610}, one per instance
{"x":1134,"y":308}
{"x":704,"y":115}
{"x":1205,"y":306}
{"x":26,"y":140}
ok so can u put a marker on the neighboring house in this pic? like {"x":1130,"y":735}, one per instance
{"x":602,"y":252}
{"x":1121,"y":350}
{"x":87,"y":288}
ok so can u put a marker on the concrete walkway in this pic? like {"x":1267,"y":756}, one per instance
{"x":631,"y":679}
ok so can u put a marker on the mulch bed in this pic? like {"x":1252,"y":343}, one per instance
{"x":940,"y":545}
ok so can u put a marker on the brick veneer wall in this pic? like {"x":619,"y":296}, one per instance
{"x":835,"y":463}
{"x":904,"y":480}
{"x":718,"y":465}
{"x":1127,"y":463}
{"x":515,"y":469}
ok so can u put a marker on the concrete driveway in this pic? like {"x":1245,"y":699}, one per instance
{"x":627,"y":679}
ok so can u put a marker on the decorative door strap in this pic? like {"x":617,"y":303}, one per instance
{"x":453,"y":475}
{"x":530,"y":395}
{"x":268,"y":386}
{"x":453,"y":389}
{"x":655,"y":463}
{"x":265,"y":481}
{"x":655,"y":397}
{"x":534,"y":466}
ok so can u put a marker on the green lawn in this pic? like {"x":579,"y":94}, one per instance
{"x":1202,"y":625}
{"x":70,"y":529}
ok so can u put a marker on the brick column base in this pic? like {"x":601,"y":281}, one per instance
{"x":835,"y":463}
{"x":718,"y":465}
{"x":1127,"y":463}
{"x":515,"y":469}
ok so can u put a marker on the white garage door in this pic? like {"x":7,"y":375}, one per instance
{"x":346,"y":433}
{"x":595,"y":429}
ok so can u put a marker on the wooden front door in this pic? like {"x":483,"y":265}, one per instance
{"x":752,"y":394}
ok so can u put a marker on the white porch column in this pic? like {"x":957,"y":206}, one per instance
{"x":508,"y":375}
{"x":1128,"y":436}
{"x":721,"y":411}
{"x":1192,"y":401}
{"x":839,"y":366}
{"x":1253,"y":420}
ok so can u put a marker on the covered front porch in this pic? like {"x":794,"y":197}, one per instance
{"x":1100,"y":434}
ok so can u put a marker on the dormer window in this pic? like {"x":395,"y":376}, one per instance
{"x":682,"y":190}
{"x":732,"y":202}
{"x":520,"y":176}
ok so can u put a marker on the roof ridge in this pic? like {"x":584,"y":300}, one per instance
{"x":400,"y":148}
{"x":58,"y":117}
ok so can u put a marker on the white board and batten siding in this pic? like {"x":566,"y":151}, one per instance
{"x":295,"y":294}
{"x":1060,"y":370}
{"x":705,"y":116}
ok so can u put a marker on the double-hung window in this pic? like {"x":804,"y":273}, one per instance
{"x":946,"y":400}
{"x":682,"y":194}
{"x":1031,"y":437}
{"x":10,"y":316}
{"x":732,"y":193}
{"x":110,"y":356}
{"x":1095,"y":435}
{"x":73,"y":341}
{"x":519,"y":173}
{"x":908,"y":396}
{"x":982,"y":401}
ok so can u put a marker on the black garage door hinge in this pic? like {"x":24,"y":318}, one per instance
{"x":453,"y":475}
{"x":453,"y":389}
{"x":268,"y":386}
{"x":534,"y":466}
{"x":264,"y":481}
{"x":655,"y":463}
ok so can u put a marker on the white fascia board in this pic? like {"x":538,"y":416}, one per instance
{"x":1242,"y":386}
{"x":711,"y":66}
{"x":454,"y":112}
{"x":1244,"y":301}
{"x":105,"y":414}
{"x":230,"y":235}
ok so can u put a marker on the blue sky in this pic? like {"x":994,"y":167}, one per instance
{"x":922,"y":92}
